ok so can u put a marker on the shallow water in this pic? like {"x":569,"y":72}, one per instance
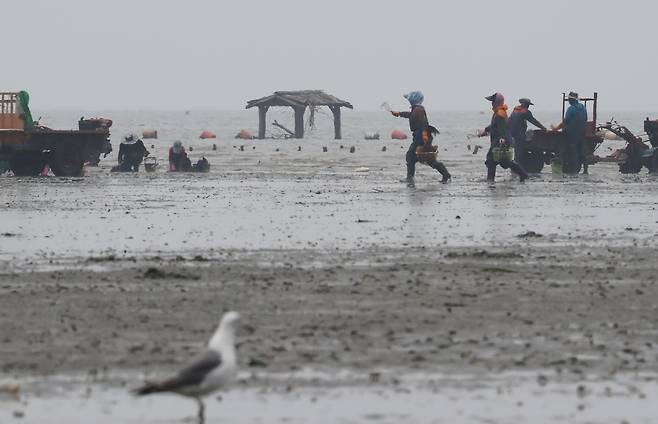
{"x":505,"y":398}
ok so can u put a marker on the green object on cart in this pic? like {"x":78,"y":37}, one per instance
{"x":24,"y":110}
{"x":501,"y":154}
{"x":556,"y":166}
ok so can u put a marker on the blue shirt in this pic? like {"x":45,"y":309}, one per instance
{"x":575,"y":119}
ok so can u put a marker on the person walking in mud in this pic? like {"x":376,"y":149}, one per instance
{"x":518,"y":123}
{"x":423,"y":134}
{"x":501,"y":140}
{"x":573,"y":125}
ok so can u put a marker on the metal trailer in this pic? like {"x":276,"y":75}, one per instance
{"x":545,"y":146}
{"x":66,"y":151}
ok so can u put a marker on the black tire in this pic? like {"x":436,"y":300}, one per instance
{"x":630,"y":167}
{"x":27,"y":164}
{"x":67,"y":160}
{"x":534,"y":162}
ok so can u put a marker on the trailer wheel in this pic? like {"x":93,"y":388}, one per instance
{"x":67,"y":160}
{"x":534,"y":162}
{"x":630,"y":167}
{"x":27,"y":164}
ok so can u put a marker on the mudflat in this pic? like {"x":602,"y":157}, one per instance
{"x":467,"y":310}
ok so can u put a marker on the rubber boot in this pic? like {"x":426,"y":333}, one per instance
{"x":519,"y":170}
{"x":491,"y":173}
{"x":439,"y":166}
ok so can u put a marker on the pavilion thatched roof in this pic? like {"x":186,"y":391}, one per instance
{"x":299,"y":99}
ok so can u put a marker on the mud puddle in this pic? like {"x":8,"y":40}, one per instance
{"x":504,"y":398}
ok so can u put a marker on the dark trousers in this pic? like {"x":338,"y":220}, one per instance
{"x":572,"y":155}
{"x":412,"y":159}
{"x":130,"y":163}
{"x":505,"y":164}
{"x":520,"y":150}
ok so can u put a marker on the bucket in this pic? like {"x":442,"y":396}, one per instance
{"x":501,"y":154}
{"x":150,"y":164}
{"x":426,"y":154}
{"x":556,"y":166}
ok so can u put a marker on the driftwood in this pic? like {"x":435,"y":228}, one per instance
{"x":276,"y":124}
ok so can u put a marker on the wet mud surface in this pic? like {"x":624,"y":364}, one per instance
{"x":477,"y":310}
{"x":107,"y":279}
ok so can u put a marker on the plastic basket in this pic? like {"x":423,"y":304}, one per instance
{"x":501,"y":154}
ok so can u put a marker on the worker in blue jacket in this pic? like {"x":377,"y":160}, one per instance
{"x":574,"y":127}
{"x":518,"y":123}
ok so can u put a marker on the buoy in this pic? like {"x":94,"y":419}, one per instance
{"x":398,"y":135}
{"x":150,"y":134}
{"x":207,"y":134}
{"x":245,"y":135}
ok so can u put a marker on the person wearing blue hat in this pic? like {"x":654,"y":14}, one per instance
{"x":423,"y":134}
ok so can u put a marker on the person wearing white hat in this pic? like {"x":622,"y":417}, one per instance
{"x":131,"y":153}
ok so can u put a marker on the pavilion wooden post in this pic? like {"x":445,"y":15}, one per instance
{"x":262,"y":123}
{"x":337,"y":124}
{"x":299,"y":121}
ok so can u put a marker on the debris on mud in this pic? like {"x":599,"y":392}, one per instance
{"x":154,"y":273}
{"x":484,"y":254}
{"x":530,"y":234}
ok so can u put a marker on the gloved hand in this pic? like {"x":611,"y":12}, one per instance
{"x":394,"y":113}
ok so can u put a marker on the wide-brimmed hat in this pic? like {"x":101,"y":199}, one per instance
{"x":525,"y":101}
{"x":130,"y":139}
{"x":573,"y":95}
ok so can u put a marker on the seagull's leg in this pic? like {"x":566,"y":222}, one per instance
{"x":202,"y":409}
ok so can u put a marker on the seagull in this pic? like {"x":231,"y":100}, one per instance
{"x":211,"y":371}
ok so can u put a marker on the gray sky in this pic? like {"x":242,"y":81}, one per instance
{"x":205,"y":54}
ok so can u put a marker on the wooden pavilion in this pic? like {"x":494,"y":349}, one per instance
{"x":299,"y":101}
